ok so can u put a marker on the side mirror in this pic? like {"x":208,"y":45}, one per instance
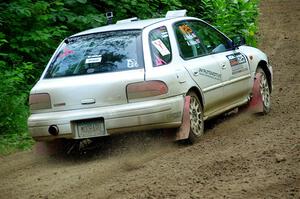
{"x":238,"y":41}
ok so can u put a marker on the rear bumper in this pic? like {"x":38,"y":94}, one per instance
{"x":145,"y":115}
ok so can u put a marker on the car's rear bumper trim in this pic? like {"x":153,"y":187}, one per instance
{"x":136,"y":116}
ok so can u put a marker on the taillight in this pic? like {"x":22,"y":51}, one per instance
{"x":39,"y":101}
{"x":146,"y":89}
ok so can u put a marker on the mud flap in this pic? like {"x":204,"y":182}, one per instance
{"x":184,"y":130}
{"x":256,"y":103}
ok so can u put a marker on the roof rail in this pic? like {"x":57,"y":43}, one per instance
{"x":176,"y":13}
{"x":127,"y":20}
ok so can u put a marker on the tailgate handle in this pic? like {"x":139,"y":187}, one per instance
{"x":88,"y":101}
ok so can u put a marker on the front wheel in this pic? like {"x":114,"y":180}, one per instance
{"x":264,"y":90}
{"x":196,"y":118}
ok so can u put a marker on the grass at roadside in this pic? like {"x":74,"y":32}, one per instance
{"x":15,"y":142}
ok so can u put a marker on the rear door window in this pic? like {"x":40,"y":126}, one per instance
{"x":161,"y":52}
{"x":98,"y":53}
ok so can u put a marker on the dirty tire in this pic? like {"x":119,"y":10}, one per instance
{"x":264,"y":89}
{"x":196,"y":119}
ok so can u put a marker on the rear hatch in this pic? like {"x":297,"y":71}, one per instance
{"x":93,"y":70}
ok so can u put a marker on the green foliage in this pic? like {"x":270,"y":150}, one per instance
{"x":30,"y":30}
{"x":233,"y":17}
{"x":12,"y":87}
{"x":15,"y":141}
{"x":13,"y":114}
{"x":29,"y":33}
{"x":140,"y":8}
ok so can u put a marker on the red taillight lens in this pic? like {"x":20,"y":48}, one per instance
{"x":39,"y":101}
{"x":146,"y":89}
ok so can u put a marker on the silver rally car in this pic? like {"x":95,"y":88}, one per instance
{"x":172,"y":72}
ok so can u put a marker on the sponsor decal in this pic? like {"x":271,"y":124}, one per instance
{"x":164,"y":34}
{"x":237,"y":62}
{"x":66,"y":52}
{"x":159,"y":61}
{"x":160,"y":46}
{"x":93,"y":59}
{"x":188,"y":34}
{"x":132,"y":63}
{"x":210,"y":74}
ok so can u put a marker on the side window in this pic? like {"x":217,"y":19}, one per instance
{"x":160,"y":46}
{"x":213,"y":40}
{"x":188,"y":41}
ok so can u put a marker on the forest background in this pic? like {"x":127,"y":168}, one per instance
{"x":30,"y":31}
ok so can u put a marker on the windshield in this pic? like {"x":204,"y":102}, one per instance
{"x":97,"y":53}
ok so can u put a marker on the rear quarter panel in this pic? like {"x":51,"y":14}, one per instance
{"x":173,"y":74}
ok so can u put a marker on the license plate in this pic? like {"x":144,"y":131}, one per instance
{"x":91,"y":128}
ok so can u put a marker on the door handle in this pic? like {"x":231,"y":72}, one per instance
{"x":223,"y":66}
{"x":196,"y":73}
{"x":88,"y":101}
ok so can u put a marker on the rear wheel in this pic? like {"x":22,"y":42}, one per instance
{"x":196,"y":118}
{"x":264,"y":90}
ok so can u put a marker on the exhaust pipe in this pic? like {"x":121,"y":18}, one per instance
{"x":53,"y":130}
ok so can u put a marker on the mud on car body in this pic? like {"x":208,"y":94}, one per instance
{"x":172,"y":72}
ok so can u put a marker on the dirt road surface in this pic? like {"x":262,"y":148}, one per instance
{"x":241,"y":156}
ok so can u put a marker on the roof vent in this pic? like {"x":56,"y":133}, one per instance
{"x":176,"y":13}
{"x":127,"y":20}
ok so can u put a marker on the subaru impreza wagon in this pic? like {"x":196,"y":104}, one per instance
{"x":172,"y":72}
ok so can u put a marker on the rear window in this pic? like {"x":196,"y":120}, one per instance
{"x":98,"y":53}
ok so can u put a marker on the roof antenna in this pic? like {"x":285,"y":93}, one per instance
{"x":109,"y":17}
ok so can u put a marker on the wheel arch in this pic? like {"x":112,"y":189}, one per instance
{"x":199,"y":94}
{"x":264,"y":66}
